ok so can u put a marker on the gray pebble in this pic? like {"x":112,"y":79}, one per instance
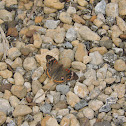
{"x":110,"y":20}
{"x":46,"y":108}
{"x":104,"y":123}
{"x":105,"y":108}
{"x":107,"y":44}
{"x":71,"y":34}
{"x":62,"y":88}
{"x":51,"y":24}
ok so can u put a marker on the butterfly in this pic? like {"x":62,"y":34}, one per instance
{"x":57,"y":72}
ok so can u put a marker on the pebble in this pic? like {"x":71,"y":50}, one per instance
{"x":121,"y":23}
{"x":7,"y":94}
{"x":37,"y":73}
{"x":101,"y":50}
{"x":29,"y":63}
{"x":4,"y":105}
{"x":60,"y":105}
{"x":2,"y":117}
{"x":66,"y":62}
{"x":122,"y":7}
{"x":56,"y":4}
{"x":78,"y":65}
{"x":48,"y":10}
{"x":63,"y":112}
{"x":19,"y":91}
{"x":72,"y":98}
{"x":14,"y":101}
{"x":104,"y":123}
{"x":105,"y":108}
{"x":37,"y":40}
{"x":100,"y":7}
{"x":38,"y":19}
{"x":71,"y":34}
{"x":13,"y":53}
{"x":120,"y":90}
{"x":86,"y":59}
{"x":6,"y":73}
{"x":81,"y":104}
{"x":96,"y":58}
{"x":6,"y":15}
{"x":12,"y":32}
{"x":98,"y":23}
{"x":89,"y":113}
{"x":39,"y":97}
{"x":95,"y":104}
{"x":51,"y":24}
{"x":87,"y":34}
{"x":64,"y":89}
{"x":17,"y":63}
{"x":81,"y":90}
{"x":120,"y":65}
{"x":80,"y":52}
{"x":3,"y":66}
{"x":71,"y":10}
{"x":78,"y":19}
{"x":46,"y":108}
{"x":18,"y":78}
{"x":82,"y":2}
{"x":65,"y":18}
{"x":107,"y":44}
{"x":112,"y":9}
{"x":69,"y":119}
{"x":52,"y":122}
{"x":22,"y":110}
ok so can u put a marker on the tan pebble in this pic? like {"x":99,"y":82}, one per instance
{"x":1,"y":21}
{"x":7,"y":94}
{"x":19,"y":91}
{"x":52,"y":122}
{"x":66,"y":62}
{"x":120,"y":65}
{"x":3,"y":66}
{"x":93,"y":18}
{"x":122,"y":7}
{"x":48,"y":10}
{"x":29,"y":33}
{"x":25,"y":51}
{"x":14,"y":101}
{"x":78,"y":65}
{"x":17,"y":63}
{"x":37,"y":40}
{"x":72,"y":98}
{"x":78,"y":19}
{"x":108,"y":90}
{"x":75,"y":43}
{"x":101,"y":50}
{"x":117,"y":41}
{"x":23,"y":31}
{"x":21,"y":110}
{"x":2,"y":117}
{"x":12,"y":32}
{"x":86,"y":59}
{"x":123,"y":36}
{"x":38,"y":19}
{"x":98,"y":22}
{"x":44,"y":120}
{"x":80,"y":52}
{"x":18,"y":78}
{"x":82,"y":2}
{"x":6,"y":73}
{"x":105,"y":27}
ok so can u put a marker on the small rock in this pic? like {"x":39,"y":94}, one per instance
{"x":66,"y":62}
{"x":6,"y":74}
{"x":95,"y":104}
{"x":37,"y":73}
{"x":98,"y":23}
{"x":30,"y":33}
{"x":78,"y":19}
{"x":120,"y":65}
{"x":17,"y":63}
{"x":121,"y":23}
{"x":100,"y":7}
{"x":52,"y":122}
{"x":111,"y":100}
{"x":63,"y":112}
{"x":2,"y":117}
{"x":94,"y":93}
{"x":48,"y":10}
{"x":65,"y":18}
{"x":29,"y":63}
{"x":107,"y":44}
{"x":80,"y":52}
{"x":21,"y":110}
{"x":105,"y":108}
{"x":39,"y":97}
{"x":60,"y":105}
{"x":4,"y":105}
{"x":25,"y":51}
{"x":112,"y":9}
{"x":7,"y":94}
{"x":96,"y":58}
{"x":67,"y":45}
{"x":12,"y":32}
{"x":56,"y":4}
{"x":3,"y":66}
{"x":46,"y":108}
{"x":108,"y":90}
{"x":122,"y":7}
{"x":81,"y":104}
{"x":120,"y":90}
{"x":89,"y":113}
{"x":36,"y":85}
{"x":87,"y":34}
{"x":101,"y":50}
{"x":86,"y":59}
{"x":78,"y":65}
{"x":6,"y":15}
{"x":19,"y":91}
{"x":64,"y":89}
{"x":38,"y":19}
{"x":68,"y":120}
{"x":51,"y":24}
{"x":71,"y":10}
{"x":72,"y":98}
{"x":13,"y":53}
{"x":104,"y":123}
{"x":71,"y":34}
{"x":82,"y":2}
{"x":37,"y":40}
{"x":18,"y":78}
{"x":5,"y":87}
{"x":81,"y":90}
{"x":14,"y":101}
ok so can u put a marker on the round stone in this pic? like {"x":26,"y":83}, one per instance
{"x":120,"y":65}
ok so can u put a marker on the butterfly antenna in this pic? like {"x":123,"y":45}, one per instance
{"x":43,"y":93}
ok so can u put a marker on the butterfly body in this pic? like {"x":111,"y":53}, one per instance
{"x":57,"y":72}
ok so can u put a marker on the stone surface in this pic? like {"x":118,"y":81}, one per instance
{"x":51,"y":24}
{"x":46,"y":108}
{"x":18,"y":78}
{"x":3,"y":66}
{"x":78,"y":65}
{"x":14,"y":101}
{"x":21,"y":110}
{"x":6,"y":73}
{"x":4,"y":105}
{"x":64,"y":89}
{"x":71,"y":34}
{"x":82,"y":2}
{"x":89,"y":113}
{"x":104,"y":123}
{"x":87,"y":34}
{"x":36,"y":85}
{"x":19,"y":90}
{"x":122,"y":7}
{"x":2,"y":117}
{"x":120,"y":65}
{"x":72,"y":98}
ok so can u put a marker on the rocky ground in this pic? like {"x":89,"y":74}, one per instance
{"x":87,"y":36}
